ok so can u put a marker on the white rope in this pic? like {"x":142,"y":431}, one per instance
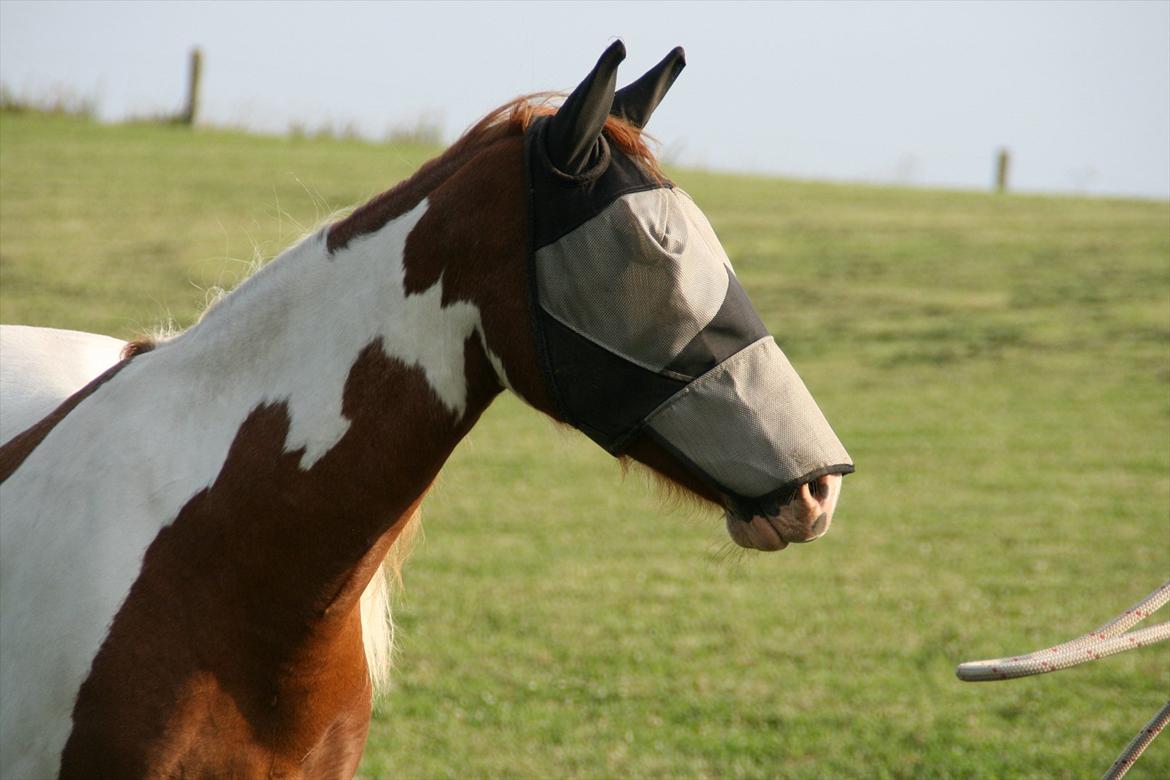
{"x":1113,"y":637}
{"x":1078,"y":651}
{"x":1138,"y":744}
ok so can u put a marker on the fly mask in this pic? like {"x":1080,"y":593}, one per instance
{"x":641,"y":325}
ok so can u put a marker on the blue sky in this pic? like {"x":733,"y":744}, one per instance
{"x":916,"y":93}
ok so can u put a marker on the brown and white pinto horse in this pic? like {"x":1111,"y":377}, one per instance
{"x":187,"y":538}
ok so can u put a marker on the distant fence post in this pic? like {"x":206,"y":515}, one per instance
{"x":191,"y":112}
{"x":1002,"y":160}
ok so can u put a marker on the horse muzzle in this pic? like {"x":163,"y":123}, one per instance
{"x":805,"y":518}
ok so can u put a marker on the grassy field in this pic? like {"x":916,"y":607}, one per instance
{"x":999,"y":367}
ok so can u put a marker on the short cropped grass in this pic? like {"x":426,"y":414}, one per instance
{"x":999,"y":367}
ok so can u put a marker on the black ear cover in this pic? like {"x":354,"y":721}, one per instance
{"x":573,"y":136}
{"x":636,"y":102}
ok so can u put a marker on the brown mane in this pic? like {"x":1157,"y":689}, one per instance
{"x":514,"y":118}
{"x":509,"y":120}
{"x":138,"y":347}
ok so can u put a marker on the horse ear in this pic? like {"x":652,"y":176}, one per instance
{"x":573,"y":132}
{"x":636,"y":102}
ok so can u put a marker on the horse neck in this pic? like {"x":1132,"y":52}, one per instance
{"x":357,"y":390}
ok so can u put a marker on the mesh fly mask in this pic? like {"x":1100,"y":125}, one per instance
{"x":641,"y":324}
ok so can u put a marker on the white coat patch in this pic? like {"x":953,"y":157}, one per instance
{"x":34,"y":379}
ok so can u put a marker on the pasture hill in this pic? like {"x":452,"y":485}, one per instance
{"x":998,"y":366}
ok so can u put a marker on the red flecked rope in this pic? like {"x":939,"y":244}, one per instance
{"x":1138,"y":744}
{"x":1113,"y":637}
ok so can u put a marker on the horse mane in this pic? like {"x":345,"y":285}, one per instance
{"x":138,"y":346}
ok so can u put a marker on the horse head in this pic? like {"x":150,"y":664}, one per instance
{"x":648,"y":342}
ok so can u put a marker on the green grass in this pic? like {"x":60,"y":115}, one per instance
{"x":999,"y":367}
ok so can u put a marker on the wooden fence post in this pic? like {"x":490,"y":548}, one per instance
{"x":1002,"y":161}
{"x":191,"y":112}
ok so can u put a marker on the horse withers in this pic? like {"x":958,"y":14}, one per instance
{"x":191,"y":533}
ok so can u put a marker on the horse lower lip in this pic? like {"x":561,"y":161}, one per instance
{"x":817,"y":529}
{"x":751,"y":535}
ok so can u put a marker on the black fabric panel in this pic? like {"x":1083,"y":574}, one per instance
{"x":606,"y":397}
{"x":574,"y":131}
{"x":532,"y":160}
{"x":636,"y":102}
{"x":735,"y":326}
{"x":560,"y":203}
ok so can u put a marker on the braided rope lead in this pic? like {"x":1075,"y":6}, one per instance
{"x":1138,"y":744}
{"x":1107,"y":640}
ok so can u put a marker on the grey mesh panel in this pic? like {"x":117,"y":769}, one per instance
{"x":750,"y":423}
{"x":702,"y":227}
{"x":640,"y":279}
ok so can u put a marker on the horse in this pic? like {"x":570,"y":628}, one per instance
{"x":194,"y":528}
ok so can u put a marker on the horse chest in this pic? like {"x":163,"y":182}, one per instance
{"x":201,"y":715}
